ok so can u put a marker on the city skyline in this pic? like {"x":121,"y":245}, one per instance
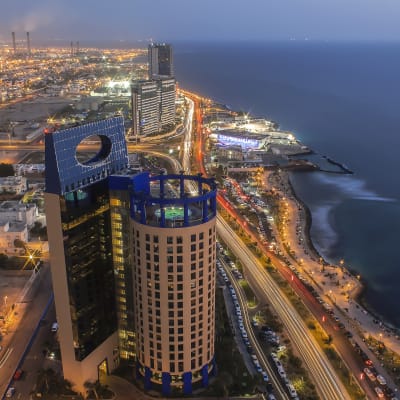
{"x":178,"y":20}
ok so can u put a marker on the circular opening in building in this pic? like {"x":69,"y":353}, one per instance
{"x":172,"y":213}
{"x":93,"y":149}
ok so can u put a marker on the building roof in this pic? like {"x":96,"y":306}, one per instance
{"x":64,"y":173}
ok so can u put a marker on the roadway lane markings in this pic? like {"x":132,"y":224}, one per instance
{"x":5,"y":357}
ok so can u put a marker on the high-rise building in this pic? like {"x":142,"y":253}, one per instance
{"x":14,"y":42}
{"x":133,"y":263}
{"x":167,"y":89}
{"x":28,"y":43}
{"x":145,"y":108}
{"x":79,"y":228}
{"x":172,"y":235}
{"x":153,"y":106}
{"x":160,"y":60}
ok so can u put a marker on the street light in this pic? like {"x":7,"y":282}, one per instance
{"x":332,"y":296}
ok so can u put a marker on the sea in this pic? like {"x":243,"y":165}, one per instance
{"x":343,"y":101}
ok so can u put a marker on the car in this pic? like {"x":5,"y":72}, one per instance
{"x":17,"y":375}
{"x":271,"y":397}
{"x":269,"y":387}
{"x":379,"y":392}
{"x":10,"y":392}
{"x":369,"y":374}
{"x":381,"y":380}
{"x":274,"y":356}
{"x":388,"y":392}
{"x":291,"y":390}
{"x":282,"y":373}
{"x":54,"y":327}
{"x":264,"y":376}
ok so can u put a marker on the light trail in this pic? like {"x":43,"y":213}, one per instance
{"x":327,"y":382}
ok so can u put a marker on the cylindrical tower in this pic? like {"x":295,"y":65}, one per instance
{"x":174,"y":238}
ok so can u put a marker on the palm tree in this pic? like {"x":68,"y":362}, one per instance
{"x":92,"y":387}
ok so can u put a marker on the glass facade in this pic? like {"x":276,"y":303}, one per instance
{"x":122,"y":256}
{"x":86,"y":226}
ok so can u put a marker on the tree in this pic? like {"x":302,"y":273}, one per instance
{"x":19,"y":244}
{"x":3,"y":260}
{"x":6,"y":170}
{"x":92,"y":387}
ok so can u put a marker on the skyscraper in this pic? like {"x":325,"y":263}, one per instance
{"x":79,"y":229}
{"x":133,"y":263}
{"x":145,"y":108}
{"x":160,"y":60}
{"x":153,"y":106}
{"x":173,"y":236}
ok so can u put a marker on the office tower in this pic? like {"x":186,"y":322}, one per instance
{"x":145,"y":108}
{"x":160,"y":60}
{"x":153,"y":106}
{"x":133,"y":263}
{"x":14,"y":43}
{"x":172,"y":234}
{"x":72,"y":48}
{"x":28,"y":43}
{"x":167,"y":88}
{"x":79,"y":229}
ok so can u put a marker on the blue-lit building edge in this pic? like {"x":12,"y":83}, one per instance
{"x":208,"y":370}
{"x":139,"y":187}
{"x":64,"y":173}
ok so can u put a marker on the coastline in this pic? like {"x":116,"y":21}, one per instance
{"x":357,"y":295}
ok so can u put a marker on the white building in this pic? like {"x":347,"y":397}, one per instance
{"x":13,"y":184}
{"x":9,"y":232}
{"x":15,"y":211}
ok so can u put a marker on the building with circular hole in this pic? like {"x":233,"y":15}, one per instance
{"x":173,"y":238}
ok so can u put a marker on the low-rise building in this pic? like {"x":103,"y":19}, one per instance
{"x":9,"y":232}
{"x":229,"y":153}
{"x":15,"y":211}
{"x":13,"y":184}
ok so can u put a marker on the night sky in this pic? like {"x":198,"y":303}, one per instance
{"x":172,"y":20}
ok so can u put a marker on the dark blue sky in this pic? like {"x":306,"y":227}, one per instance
{"x":172,"y":20}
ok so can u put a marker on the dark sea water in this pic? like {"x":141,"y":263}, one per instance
{"x":342,"y":100}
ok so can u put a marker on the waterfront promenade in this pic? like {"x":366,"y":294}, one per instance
{"x":337,"y":287}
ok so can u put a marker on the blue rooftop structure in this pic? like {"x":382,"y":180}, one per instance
{"x":170,"y":200}
{"x":64,"y":173}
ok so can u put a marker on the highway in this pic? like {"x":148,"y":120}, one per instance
{"x":327,"y":382}
{"x":278,"y":387}
{"x":29,"y":312}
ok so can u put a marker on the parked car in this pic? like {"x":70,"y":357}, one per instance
{"x":17,"y":375}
